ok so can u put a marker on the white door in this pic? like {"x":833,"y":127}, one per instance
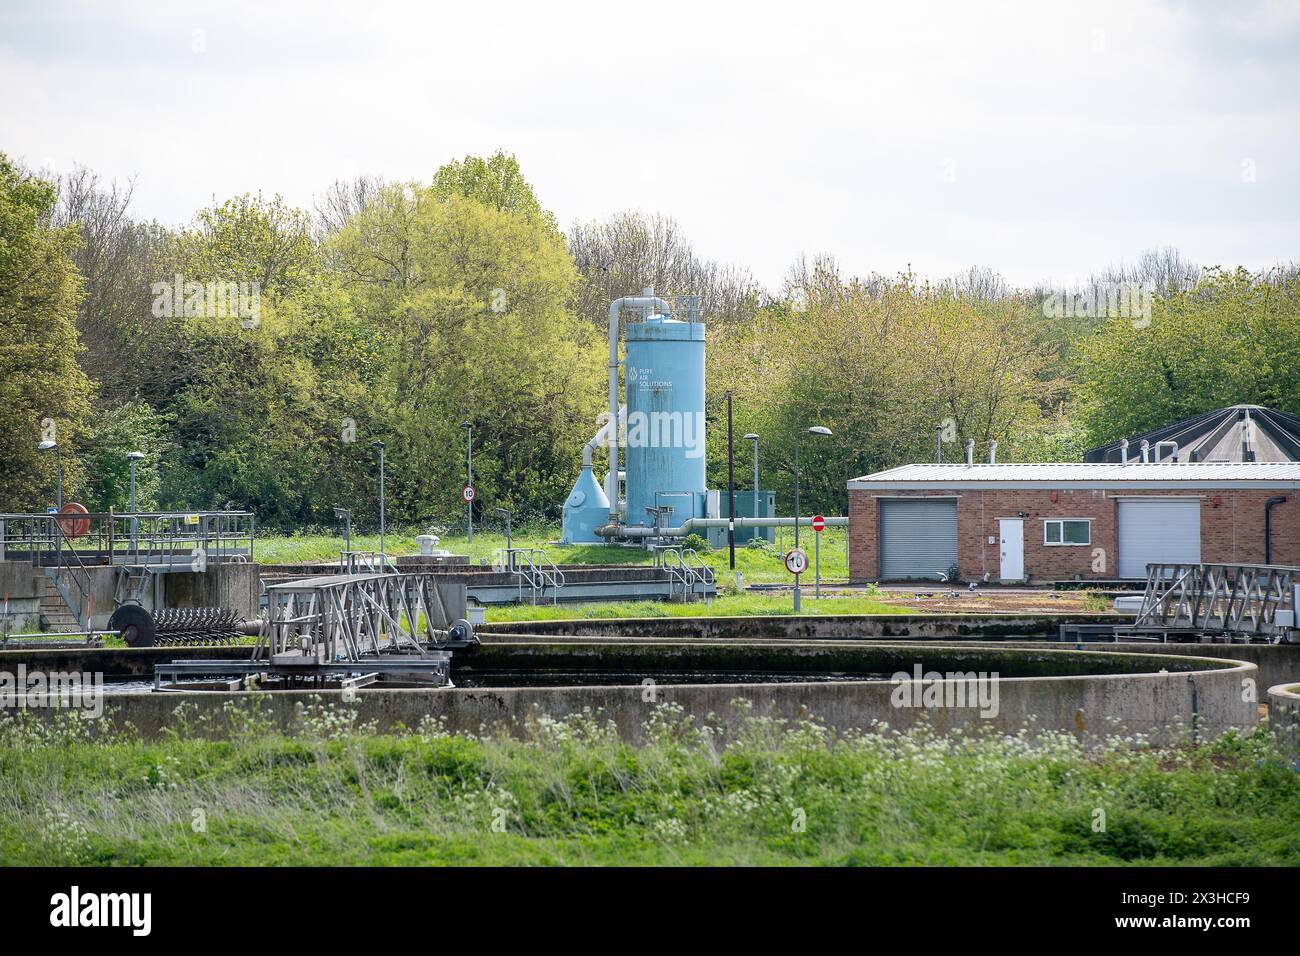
{"x":1011,"y":532}
{"x":1159,"y":531}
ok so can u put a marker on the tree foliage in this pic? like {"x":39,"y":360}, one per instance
{"x":44,"y":394}
{"x":398,"y":311}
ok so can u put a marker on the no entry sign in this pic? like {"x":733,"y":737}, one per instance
{"x":818,"y":523}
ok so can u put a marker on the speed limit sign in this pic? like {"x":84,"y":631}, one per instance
{"x":796,"y":561}
{"x":468,"y":493}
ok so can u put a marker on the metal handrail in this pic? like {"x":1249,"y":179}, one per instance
{"x":139,"y":538}
{"x":529,"y":569}
{"x":82,"y":610}
{"x":684,"y":565}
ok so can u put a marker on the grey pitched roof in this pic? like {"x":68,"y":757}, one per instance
{"x":1240,"y":433}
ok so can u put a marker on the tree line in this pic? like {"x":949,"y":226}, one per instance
{"x":256,"y":353}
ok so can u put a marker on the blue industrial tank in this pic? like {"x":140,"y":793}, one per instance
{"x":585,"y":510}
{"x":665,"y":420}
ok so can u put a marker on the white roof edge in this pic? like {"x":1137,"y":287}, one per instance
{"x":975,"y":484}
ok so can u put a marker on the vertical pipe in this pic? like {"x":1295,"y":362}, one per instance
{"x":755,"y":478}
{"x":1123,"y":451}
{"x":938,"y":444}
{"x":970,"y":451}
{"x":993,"y":452}
{"x":796,"y":517}
{"x":382,"y":543}
{"x":731,"y":489}
{"x":1268,"y":526}
{"x":469,"y":483}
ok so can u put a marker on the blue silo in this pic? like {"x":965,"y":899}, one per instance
{"x":664,"y":379}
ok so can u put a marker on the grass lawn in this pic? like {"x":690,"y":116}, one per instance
{"x":725,"y":605}
{"x":758,"y":565}
{"x":574,"y":794}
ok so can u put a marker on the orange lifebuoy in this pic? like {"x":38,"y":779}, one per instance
{"x":74,"y":527}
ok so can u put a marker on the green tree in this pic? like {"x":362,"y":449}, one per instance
{"x":496,"y":182}
{"x":43,"y":392}
{"x":472,"y":302}
{"x":1232,"y":338}
{"x":133,"y":426}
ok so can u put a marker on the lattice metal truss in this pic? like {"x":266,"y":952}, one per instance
{"x":352,"y":617}
{"x":1236,"y":601}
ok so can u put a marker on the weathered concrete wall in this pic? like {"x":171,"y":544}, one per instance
{"x":808,"y":627}
{"x":1161,"y":704}
{"x":1284,"y":715}
{"x":20,"y":596}
{"x":221,"y":585}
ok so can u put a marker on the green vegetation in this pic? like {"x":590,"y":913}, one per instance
{"x":572,"y":793}
{"x":399,"y":310}
{"x":759,"y":565}
{"x":725,"y":605}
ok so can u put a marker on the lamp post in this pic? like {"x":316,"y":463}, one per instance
{"x":469,"y":480}
{"x":49,"y":445}
{"x":346,"y":515}
{"x":133,"y":457}
{"x":814,"y":430}
{"x":510,"y":558}
{"x":731,"y":490}
{"x":754,"y":438}
{"x":383,"y":552}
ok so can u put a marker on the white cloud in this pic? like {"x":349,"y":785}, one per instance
{"x":1075,"y":135}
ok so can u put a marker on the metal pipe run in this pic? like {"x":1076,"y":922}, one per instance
{"x":647,"y":300}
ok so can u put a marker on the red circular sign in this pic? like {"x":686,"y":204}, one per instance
{"x":468,"y":493}
{"x":818,"y":523}
{"x":74,"y":527}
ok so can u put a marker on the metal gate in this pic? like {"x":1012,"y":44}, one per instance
{"x":918,"y":537}
{"x":1158,"y":531}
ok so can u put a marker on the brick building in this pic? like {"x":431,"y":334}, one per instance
{"x":1058,"y":522}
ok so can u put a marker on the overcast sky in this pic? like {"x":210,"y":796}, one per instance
{"x":1044,"y":140}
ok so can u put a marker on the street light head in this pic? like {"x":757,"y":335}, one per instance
{"x":47,"y":445}
{"x":135,"y":455}
{"x":377,"y":444}
{"x":466,"y":424}
{"x":751,"y":437}
{"x":819,"y":430}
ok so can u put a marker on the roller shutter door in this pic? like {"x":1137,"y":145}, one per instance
{"x":1162,"y":530}
{"x":918,"y":537}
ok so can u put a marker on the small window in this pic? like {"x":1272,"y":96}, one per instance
{"x":1067,"y":531}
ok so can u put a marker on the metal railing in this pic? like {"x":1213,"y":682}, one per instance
{"x":1233,"y":600}
{"x":532,"y":567}
{"x":684,"y":567}
{"x":361,"y":562}
{"x":161,"y":540}
{"x":74,"y":570}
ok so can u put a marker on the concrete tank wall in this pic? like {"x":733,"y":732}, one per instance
{"x":1130,"y":693}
